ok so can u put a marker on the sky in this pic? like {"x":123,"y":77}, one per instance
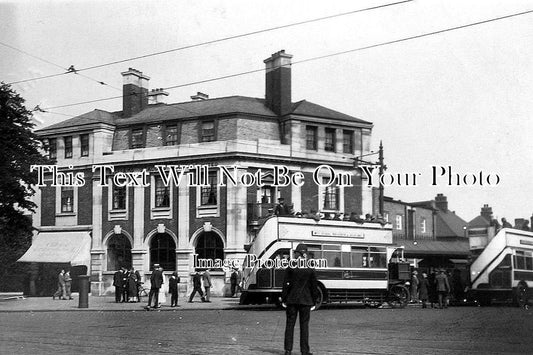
{"x":461,"y":98}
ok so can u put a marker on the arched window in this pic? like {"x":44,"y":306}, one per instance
{"x":118,"y":252}
{"x":163,"y":251}
{"x":210,"y":246}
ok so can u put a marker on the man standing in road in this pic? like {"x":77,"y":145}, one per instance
{"x":206,"y":279}
{"x":298,"y":296}
{"x":156,"y":281}
{"x":197,"y":287}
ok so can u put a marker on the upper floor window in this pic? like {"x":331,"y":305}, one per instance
{"x":209,"y":193}
{"x":329,"y":144}
{"x":137,"y":138}
{"x":52,"y":148}
{"x":347,"y":142}
{"x":84,"y":145}
{"x":67,"y":199}
{"x":119,"y":197}
{"x":68,"y":147}
{"x":399,"y":222}
{"x":422,"y":225}
{"x":208,"y":131}
{"x":331,"y":197}
{"x":162,"y":194}
{"x":171,"y":135}
{"x":310,"y":137}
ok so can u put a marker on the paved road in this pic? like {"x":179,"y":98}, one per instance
{"x":464,"y":330}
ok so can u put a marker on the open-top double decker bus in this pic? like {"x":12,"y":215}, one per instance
{"x":357,"y":257}
{"x":503,"y":270}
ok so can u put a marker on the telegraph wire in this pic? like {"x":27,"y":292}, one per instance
{"x":405,"y":39}
{"x":71,"y":69}
{"x":219,"y":40}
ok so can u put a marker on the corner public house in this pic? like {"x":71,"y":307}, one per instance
{"x":102,"y":228}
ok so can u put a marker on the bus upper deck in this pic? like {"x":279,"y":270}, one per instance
{"x":356,"y":258}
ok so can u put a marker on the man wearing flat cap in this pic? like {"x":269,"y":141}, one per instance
{"x":298,"y":296}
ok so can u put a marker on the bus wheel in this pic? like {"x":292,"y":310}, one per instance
{"x":398,"y":296}
{"x":521,"y":295}
{"x":321,"y":297}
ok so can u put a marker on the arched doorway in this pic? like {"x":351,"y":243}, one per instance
{"x":118,"y":252}
{"x":163,"y":251}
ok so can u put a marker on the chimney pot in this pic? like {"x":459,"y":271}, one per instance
{"x":199,"y":96}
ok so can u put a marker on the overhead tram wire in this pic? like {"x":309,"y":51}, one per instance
{"x":405,"y":39}
{"x":67,"y":71}
{"x":219,"y":40}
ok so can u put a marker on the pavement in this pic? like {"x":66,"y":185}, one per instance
{"x":16,"y":302}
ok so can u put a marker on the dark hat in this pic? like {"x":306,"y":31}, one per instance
{"x":301,"y":248}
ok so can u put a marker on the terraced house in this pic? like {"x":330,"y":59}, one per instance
{"x":111,"y":226}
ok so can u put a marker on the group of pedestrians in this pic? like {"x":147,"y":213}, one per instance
{"x":64,"y":286}
{"x":435,"y":289}
{"x":127,"y":283}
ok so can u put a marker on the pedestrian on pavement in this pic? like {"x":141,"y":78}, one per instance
{"x":414,"y":287}
{"x":443,"y":287}
{"x":233,"y":281}
{"x":132,"y":286}
{"x":156,"y":281}
{"x":433,"y":298}
{"x":206,"y":279}
{"x":117,"y":282}
{"x":423,"y":289}
{"x":139,"y":283}
{"x":173,"y":282}
{"x":299,"y":294}
{"x":197,"y":287}
{"x":162,"y":295}
{"x":60,"y":286}
{"x":125,"y":291}
{"x":68,"y":286}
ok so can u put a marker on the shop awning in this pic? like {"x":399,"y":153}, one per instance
{"x":60,"y":247}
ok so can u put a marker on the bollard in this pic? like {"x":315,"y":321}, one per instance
{"x":84,"y":291}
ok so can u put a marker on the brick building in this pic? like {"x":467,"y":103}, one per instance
{"x":433,"y":236}
{"x":142,"y":225}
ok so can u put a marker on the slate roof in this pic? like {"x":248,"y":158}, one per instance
{"x":217,"y":106}
{"x":449,"y":225}
{"x":95,"y":116}
{"x":307,"y":108}
{"x":479,"y":222}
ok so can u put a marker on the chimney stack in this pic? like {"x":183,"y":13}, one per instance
{"x":278,"y":83}
{"x":134,"y":92}
{"x":157,"y":96}
{"x":441,"y":202}
{"x":486,"y":212}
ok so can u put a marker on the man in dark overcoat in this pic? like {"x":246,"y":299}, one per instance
{"x":299,"y":294}
{"x":119,"y":284}
{"x":156,"y":281}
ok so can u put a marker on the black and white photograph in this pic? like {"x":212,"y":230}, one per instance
{"x":266,"y":177}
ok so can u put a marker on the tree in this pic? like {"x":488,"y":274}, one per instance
{"x":19,"y":149}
